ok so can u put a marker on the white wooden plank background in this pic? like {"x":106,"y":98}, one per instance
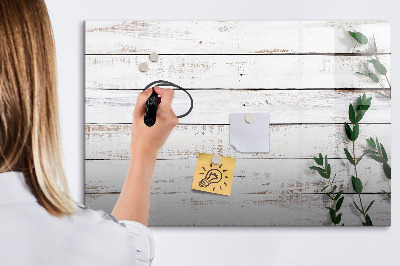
{"x":302,"y":73}
{"x":286,"y":141}
{"x":266,"y":177}
{"x":230,"y":37}
{"x":230,"y":71}
{"x":288,"y":106}
{"x":285,"y":209}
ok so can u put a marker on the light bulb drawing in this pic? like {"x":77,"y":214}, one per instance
{"x":213,"y":176}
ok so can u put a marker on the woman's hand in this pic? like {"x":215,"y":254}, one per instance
{"x":148,"y":140}
{"x":134,"y":200}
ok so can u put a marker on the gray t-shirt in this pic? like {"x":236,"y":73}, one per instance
{"x":29,"y":235}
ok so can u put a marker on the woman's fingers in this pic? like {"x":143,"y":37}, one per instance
{"x":141,"y":102}
{"x":167,"y":96}
{"x":164,"y":109}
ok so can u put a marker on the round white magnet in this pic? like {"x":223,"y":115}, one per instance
{"x":250,"y":118}
{"x":216,"y":159}
{"x":153,"y":57}
{"x":143,"y":67}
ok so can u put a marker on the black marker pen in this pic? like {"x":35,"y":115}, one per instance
{"x":151,"y":109}
{"x":152,"y":102}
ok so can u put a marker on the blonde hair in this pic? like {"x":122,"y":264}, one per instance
{"x":29,"y":122}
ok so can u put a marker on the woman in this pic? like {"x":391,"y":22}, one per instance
{"x":40,"y":223}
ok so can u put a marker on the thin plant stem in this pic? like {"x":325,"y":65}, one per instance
{"x":355,"y":168}
{"x":334,"y":201}
{"x":371,"y":47}
{"x":382,"y":85}
{"x":354,"y":47}
{"x":390,"y":86}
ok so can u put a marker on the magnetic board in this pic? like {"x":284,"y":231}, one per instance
{"x":303,"y":74}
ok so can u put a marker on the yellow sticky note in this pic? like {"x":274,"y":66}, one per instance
{"x":214,"y":178}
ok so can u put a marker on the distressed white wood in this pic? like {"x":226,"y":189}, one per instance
{"x":186,"y":141}
{"x":224,"y":64}
{"x":265,"y":177}
{"x":230,"y":71}
{"x":281,"y":209}
{"x":214,"y":106}
{"x":230,"y":37}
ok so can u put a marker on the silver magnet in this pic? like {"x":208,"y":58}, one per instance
{"x":250,"y":118}
{"x":153,"y":57}
{"x":143,"y":67}
{"x":216,"y":159}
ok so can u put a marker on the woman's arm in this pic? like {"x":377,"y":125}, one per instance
{"x":134,"y":200}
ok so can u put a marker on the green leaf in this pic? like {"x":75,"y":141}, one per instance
{"x":328,"y":170}
{"x":368,"y":222}
{"x":369,"y":206}
{"x":352,"y":34}
{"x":321,"y":158}
{"x":332,"y":213}
{"x":384,"y":155}
{"x":349,"y":157}
{"x":361,"y":38}
{"x":359,"y":103}
{"x":334,"y":188}
{"x":338,"y":219}
{"x":357,"y":185}
{"x":378,"y":146}
{"x":371,"y":143}
{"x":371,"y":151}
{"x":356,"y":131}
{"x":324,"y":188}
{"x":373,"y":77}
{"x":338,"y":195}
{"x":318,"y":161}
{"x":387,"y":170}
{"x":352,"y":114}
{"x":360,"y":115}
{"x":377,"y":158}
{"x":357,"y":207}
{"x":348,"y":130}
{"x":364,"y":74}
{"x":381,"y":69}
{"x":326,"y":163}
{"x":339,"y":203}
{"x":363,"y":103}
{"x":376,"y":49}
{"x":368,"y":101}
{"x":320,"y":171}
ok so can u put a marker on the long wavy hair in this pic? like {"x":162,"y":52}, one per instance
{"x":29,"y":119}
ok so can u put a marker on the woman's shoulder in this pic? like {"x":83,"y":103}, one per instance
{"x":137,"y":235}
{"x":99,"y":223}
{"x":88,"y":214}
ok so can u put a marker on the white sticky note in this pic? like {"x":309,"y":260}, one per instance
{"x":249,"y":137}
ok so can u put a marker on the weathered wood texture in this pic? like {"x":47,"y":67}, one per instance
{"x":230,"y":37}
{"x":265,"y":176}
{"x":284,"y":209}
{"x":289,"y":106}
{"x":230,"y":71}
{"x":302,"y":73}
{"x":286,"y":141}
